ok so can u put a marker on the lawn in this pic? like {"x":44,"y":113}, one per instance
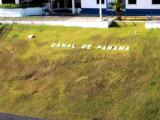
{"x":80,"y":84}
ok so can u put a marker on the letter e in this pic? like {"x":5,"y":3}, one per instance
{"x":89,"y":47}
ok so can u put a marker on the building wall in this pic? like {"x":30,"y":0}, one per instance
{"x":91,"y":4}
{"x":91,"y":7}
{"x":143,"y":7}
{"x":142,"y":4}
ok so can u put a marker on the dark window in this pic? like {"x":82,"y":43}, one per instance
{"x":155,"y":1}
{"x":8,"y":1}
{"x":99,"y":0}
{"x":132,"y":1}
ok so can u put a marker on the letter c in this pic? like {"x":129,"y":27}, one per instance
{"x":53,"y":45}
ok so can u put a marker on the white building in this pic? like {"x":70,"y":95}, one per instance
{"x":131,"y":7}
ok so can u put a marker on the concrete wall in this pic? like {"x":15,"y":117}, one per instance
{"x":142,"y":4}
{"x":104,"y":24}
{"x":152,"y":25}
{"x":20,"y":12}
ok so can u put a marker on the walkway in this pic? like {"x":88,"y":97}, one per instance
{"x":74,"y":21}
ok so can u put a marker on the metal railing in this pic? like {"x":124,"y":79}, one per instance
{"x":51,"y":17}
{"x":31,"y":16}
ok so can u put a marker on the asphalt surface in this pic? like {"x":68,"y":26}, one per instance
{"x":6,"y":116}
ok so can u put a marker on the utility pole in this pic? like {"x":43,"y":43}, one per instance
{"x":100,"y":11}
{"x":73,"y":6}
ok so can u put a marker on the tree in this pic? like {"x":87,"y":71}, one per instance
{"x":118,"y":7}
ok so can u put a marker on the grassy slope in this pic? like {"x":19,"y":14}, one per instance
{"x":75,"y":84}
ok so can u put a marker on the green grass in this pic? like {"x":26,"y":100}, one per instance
{"x":34,"y":16}
{"x":75,"y":84}
{"x":135,"y":20}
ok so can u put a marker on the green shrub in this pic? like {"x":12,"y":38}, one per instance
{"x":153,"y":83}
{"x":11,"y":6}
{"x":14,"y":6}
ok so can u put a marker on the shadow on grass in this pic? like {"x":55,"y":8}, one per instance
{"x":122,"y":24}
{"x":2,"y":28}
{"x":134,"y":24}
{"x":4,"y":31}
{"x":6,"y":116}
{"x":115,"y":24}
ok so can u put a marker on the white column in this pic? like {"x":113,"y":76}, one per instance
{"x":17,"y":2}
{"x":51,"y":4}
{"x":73,"y":6}
{"x":64,"y":3}
{"x":27,"y":2}
{"x":67,"y":3}
{"x":100,"y":9}
{"x":0,"y":1}
{"x":58,"y":6}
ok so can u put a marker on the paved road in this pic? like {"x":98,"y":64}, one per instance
{"x":6,"y":116}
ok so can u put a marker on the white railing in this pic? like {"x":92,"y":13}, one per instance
{"x":20,"y":12}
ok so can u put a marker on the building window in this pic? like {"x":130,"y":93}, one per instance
{"x":99,"y":0}
{"x":155,"y":1}
{"x":8,"y":1}
{"x":132,"y":1}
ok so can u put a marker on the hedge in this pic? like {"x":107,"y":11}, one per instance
{"x":13,"y":6}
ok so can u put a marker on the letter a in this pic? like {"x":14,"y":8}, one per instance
{"x":128,"y":48}
{"x":109,"y":48}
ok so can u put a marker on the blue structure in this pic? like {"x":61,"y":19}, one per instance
{"x":131,"y":7}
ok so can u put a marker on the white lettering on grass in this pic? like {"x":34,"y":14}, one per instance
{"x":73,"y":46}
{"x":121,"y":48}
{"x":104,"y":48}
{"x":53,"y":45}
{"x":84,"y":46}
{"x":64,"y":45}
{"x":109,"y":48}
{"x":115,"y":48}
{"x":69,"y":45}
{"x":99,"y":47}
{"x":59,"y":45}
{"x":89,"y":47}
{"x":128,"y":48}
